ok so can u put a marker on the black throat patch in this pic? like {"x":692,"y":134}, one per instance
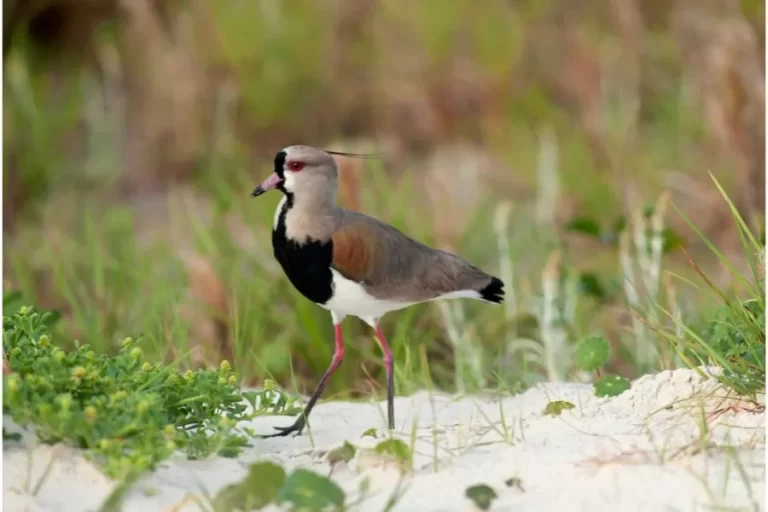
{"x":280,"y":169}
{"x":307,"y":265}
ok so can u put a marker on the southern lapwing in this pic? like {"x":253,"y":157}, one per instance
{"x":355,"y":265}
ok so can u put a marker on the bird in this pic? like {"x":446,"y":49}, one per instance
{"x":355,"y":265}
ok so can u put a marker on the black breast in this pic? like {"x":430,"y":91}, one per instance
{"x":307,"y":265}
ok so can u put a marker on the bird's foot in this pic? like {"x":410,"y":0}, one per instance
{"x":296,"y":429}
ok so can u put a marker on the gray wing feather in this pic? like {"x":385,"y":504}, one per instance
{"x":406,"y":270}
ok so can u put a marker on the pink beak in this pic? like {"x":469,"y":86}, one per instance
{"x":268,"y":184}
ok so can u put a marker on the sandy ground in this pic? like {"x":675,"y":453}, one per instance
{"x":631,"y":453}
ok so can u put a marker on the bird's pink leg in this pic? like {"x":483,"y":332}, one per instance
{"x":389,"y":364}
{"x":338,"y":357}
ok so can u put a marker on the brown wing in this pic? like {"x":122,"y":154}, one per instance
{"x":353,"y":251}
{"x":393,"y":266}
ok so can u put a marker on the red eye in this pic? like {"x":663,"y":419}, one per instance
{"x":295,"y":166}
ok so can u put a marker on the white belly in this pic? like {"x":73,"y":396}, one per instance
{"x":351,"y":299}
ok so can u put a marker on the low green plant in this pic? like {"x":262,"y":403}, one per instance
{"x":129,"y":414}
{"x":611,"y":385}
{"x":306,"y":490}
{"x":736,"y":333}
{"x":343,"y":453}
{"x":733,"y":339}
{"x":481,"y":495}
{"x":268,"y":483}
{"x":272,"y":401}
{"x":593,"y":352}
{"x":398,"y":451}
{"x":556,"y":407}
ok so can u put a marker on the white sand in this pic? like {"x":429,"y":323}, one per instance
{"x":606,"y":454}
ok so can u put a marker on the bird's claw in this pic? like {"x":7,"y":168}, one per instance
{"x":296,"y":428}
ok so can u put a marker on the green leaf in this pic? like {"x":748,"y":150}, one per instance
{"x":397,"y":450}
{"x":394,"y":447}
{"x":307,"y":490}
{"x":592,"y":352}
{"x":481,"y":495}
{"x":250,"y":397}
{"x":672,"y":240}
{"x":11,"y":436}
{"x":556,"y":407}
{"x":648,"y":210}
{"x":371,"y":432}
{"x":585,"y":226}
{"x":589,"y":284}
{"x":343,"y":453}
{"x":612,"y":235}
{"x":611,"y":385}
{"x":258,"y":489}
{"x":50,"y":318}
{"x":12,"y":301}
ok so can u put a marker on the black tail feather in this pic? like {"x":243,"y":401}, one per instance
{"x":494,"y":291}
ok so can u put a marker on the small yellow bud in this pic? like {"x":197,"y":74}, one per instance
{"x":189,"y":375}
{"x":169,"y":431}
{"x":143,"y":406}
{"x":44,"y":341}
{"x":225,"y":366}
{"x":146,"y":367}
{"x":170,"y":446}
{"x":127,"y":342}
{"x":270,"y":385}
{"x":24,"y":310}
{"x":232,"y":379}
{"x":119,"y":395}
{"x":104,"y":444}
{"x":64,"y":400}
{"x":135,"y":353}
{"x":90,"y":414}
{"x":59,"y":355}
{"x":78,"y":372}
{"x":222,"y":380}
{"x":13,"y":383}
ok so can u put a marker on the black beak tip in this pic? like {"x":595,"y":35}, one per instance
{"x":257,"y":192}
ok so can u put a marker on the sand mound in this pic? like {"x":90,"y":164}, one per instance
{"x":675,"y":441}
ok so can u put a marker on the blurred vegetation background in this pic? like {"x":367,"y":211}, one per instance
{"x":518,"y":133}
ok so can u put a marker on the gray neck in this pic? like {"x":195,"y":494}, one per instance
{"x":314,"y":202}
{"x":308,"y":217}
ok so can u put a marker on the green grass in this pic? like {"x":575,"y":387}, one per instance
{"x":733,"y":336}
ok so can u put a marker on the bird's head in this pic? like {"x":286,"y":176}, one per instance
{"x":302,"y":172}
